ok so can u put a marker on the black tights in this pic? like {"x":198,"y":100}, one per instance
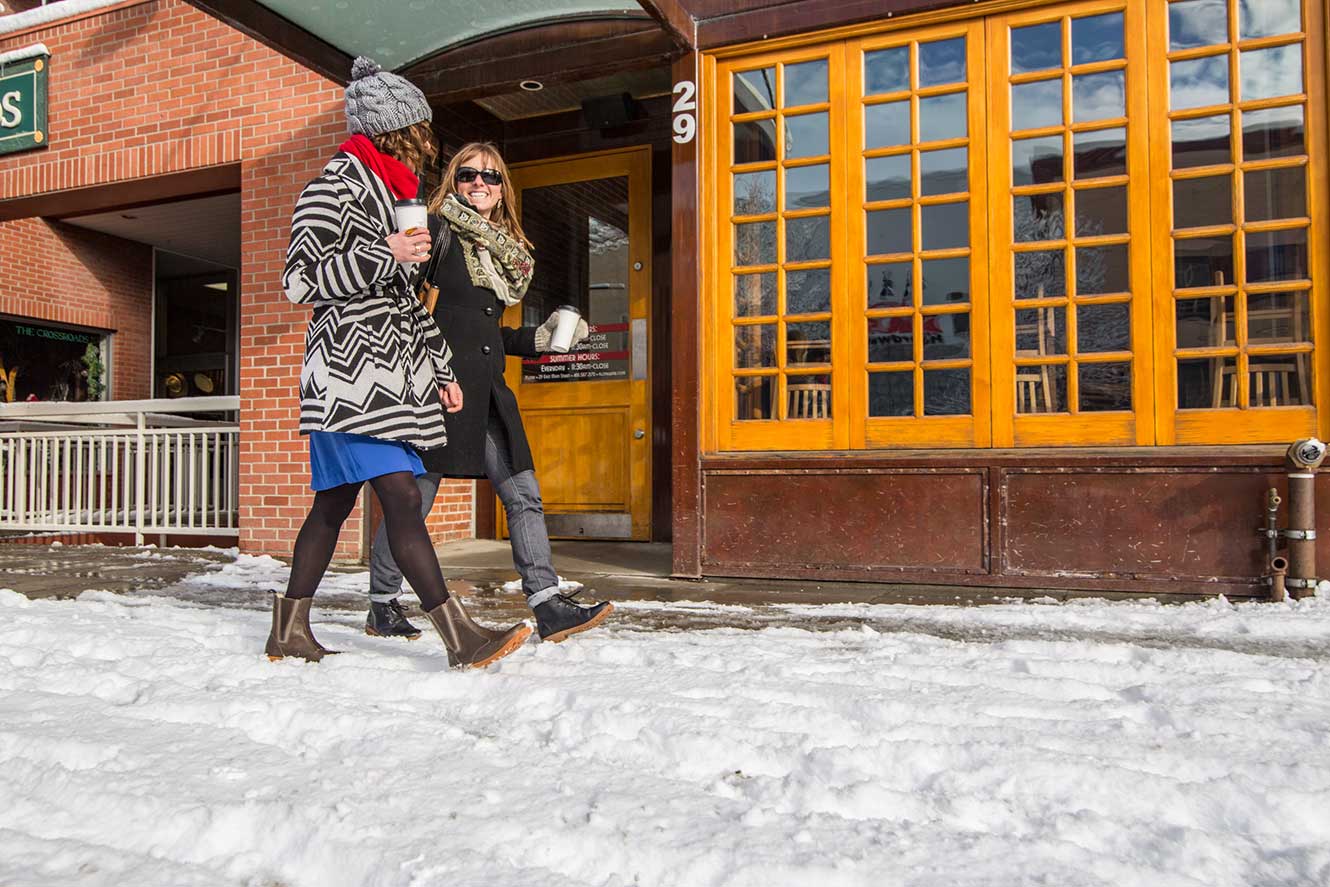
{"x":408,"y":539}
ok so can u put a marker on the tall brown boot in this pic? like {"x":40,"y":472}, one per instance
{"x":291,"y":634}
{"x":471,"y":645}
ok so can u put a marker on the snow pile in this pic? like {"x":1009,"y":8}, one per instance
{"x":146,"y":741}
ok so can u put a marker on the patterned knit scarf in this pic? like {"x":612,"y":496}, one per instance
{"x":495,"y":259}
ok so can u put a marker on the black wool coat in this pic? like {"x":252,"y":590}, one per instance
{"x":469,"y":317}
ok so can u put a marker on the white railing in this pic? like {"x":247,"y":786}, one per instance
{"x":120,"y":467}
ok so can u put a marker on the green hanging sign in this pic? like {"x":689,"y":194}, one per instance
{"x":23,"y":76}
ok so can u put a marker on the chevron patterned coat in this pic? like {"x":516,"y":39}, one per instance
{"x":374,"y":358}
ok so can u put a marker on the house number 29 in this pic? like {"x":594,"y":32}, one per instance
{"x":685,"y":104}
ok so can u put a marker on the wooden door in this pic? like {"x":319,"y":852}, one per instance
{"x":588,"y":413}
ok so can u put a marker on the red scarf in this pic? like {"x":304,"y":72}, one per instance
{"x":392,"y":172}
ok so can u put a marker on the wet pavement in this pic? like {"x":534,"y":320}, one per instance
{"x":479,"y":569}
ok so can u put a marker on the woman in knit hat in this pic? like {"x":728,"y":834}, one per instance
{"x":376,"y":379}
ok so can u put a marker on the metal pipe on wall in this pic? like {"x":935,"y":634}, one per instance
{"x":1303,"y":458}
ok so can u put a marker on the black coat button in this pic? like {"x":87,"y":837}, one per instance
{"x":490,"y":311}
{"x":484,"y":349}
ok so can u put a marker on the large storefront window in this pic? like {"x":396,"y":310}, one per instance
{"x":46,"y":362}
{"x":1073,"y":225}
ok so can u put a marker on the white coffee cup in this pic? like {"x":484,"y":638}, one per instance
{"x":565,"y":328}
{"x":411,"y":214}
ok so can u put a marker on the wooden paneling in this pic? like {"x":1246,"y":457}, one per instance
{"x":1166,"y":523}
{"x":1160,"y":521}
{"x":842,"y":519}
{"x":686,"y":341}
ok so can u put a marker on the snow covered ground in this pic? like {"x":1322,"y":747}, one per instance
{"x":144,"y":740}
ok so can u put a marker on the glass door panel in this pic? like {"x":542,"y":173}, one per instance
{"x":1070,"y":213}
{"x":917,"y":172}
{"x":1236,"y":234}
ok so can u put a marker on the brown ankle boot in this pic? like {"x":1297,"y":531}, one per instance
{"x":471,"y":645}
{"x":291,"y":634}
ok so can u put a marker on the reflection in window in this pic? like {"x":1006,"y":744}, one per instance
{"x":1205,"y":323}
{"x":1203,"y":261}
{"x":754,"y":397}
{"x":1098,"y":96}
{"x":1036,"y":161}
{"x":1040,"y":274}
{"x":1271,"y":73}
{"x":1101,"y":270}
{"x":1197,"y":23}
{"x":755,"y":294}
{"x":1100,"y":154}
{"x":807,"y":187}
{"x":1041,"y":388}
{"x":755,"y":90}
{"x":1276,"y":255}
{"x":806,"y":83}
{"x":946,"y":281}
{"x":946,"y":392}
{"x":1096,"y":38}
{"x":1101,"y":328}
{"x":1198,"y":203}
{"x":806,"y":135}
{"x":808,"y":239}
{"x":1037,"y":217}
{"x":808,"y":292}
{"x":755,"y":193}
{"x":1202,"y":141}
{"x":1036,"y":47}
{"x":887,"y":70}
{"x":1036,"y":105}
{"x":1041,"y":331}
{"x":1105,"y":387}
{"x":809,"y":397}
{"x":944,"y":225}
{"x":755,"y":141}
{"x":755,"y":346}
{"x":1273,"y":132}
{"x":942,"y":62}
{"x":1198,"y":83}
{"x":889,"y":285}
{"x":887,"y":178}
{"x":891,"y":394}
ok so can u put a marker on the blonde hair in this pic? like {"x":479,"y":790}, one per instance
{"x":503,"y":215}
{"x":414,"y":145}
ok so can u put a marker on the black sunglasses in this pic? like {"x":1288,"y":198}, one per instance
{"x":488,"y":176}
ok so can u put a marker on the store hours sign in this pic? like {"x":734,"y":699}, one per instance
{"x":23,"y":74}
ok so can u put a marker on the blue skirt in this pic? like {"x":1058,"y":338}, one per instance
{"x":336,"y":458}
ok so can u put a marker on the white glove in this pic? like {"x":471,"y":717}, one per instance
{"x":545,"y":332}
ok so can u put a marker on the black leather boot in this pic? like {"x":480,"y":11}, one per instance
{"x":561,"y":617}
{"x":388,"y":620}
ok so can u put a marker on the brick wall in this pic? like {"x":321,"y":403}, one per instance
{"x":156,"y":87}
{"x":55,"y":272}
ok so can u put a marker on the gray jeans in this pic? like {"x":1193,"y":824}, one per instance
{"x":520,"y":495}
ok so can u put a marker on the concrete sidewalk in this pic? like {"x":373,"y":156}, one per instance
{"x":607,"y":570}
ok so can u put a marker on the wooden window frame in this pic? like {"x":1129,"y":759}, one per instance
{"x":1154,"y":418}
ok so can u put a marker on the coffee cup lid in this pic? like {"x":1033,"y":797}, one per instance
{"x":410,"y":201}
{"x":572,"y":308}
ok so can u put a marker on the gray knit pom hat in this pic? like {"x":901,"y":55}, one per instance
{"x":379,"y":101}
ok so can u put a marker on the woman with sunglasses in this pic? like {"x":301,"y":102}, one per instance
{"x":377,"y":376}
{"x":481,"y":264}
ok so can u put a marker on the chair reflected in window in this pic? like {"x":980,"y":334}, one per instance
{"x":1036,"y":336}
{"x":1273,"y":380}
{"x":809,"y":400}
